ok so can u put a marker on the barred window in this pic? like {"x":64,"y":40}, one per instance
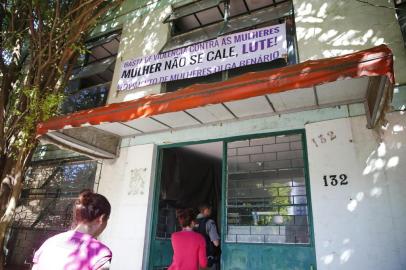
{"x":266,"y":191}
{"x":51,"y":184}
{"x":197,"y":21}
{"x":91,"y":80}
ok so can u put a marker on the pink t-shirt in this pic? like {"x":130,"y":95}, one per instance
{"x":189,"y":251}
{"x":71,"y":250}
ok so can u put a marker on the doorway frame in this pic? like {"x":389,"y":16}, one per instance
{"x":153,"y":215}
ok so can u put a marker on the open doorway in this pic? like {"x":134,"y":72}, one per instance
{"x":190,"y":176}
{"x":263,"y":191}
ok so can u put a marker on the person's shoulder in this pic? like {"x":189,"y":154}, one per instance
{"x":100,"y":254}
{"x":61,"y":235}
{"x":210,"y":223}
{"x":198,"y":236}
{"x":186,"y":234}
{"x":182,"y":234}
{"x":176,"y":235}
{"x":58,"y":237}
{"x":50,"y":244}
{"x":100,"y":248}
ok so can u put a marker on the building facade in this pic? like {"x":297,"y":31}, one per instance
{"x":301,"y":155}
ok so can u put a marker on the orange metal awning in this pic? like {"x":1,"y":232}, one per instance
{"x":358,"y":77}
{"x":372,"y":62}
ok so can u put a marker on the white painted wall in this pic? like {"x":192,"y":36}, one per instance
{"x":126,"y":182}
{"x":332,"y":28}
{"x":357,"y":226}
{"x":323,"y":28}
{"x":360,"y":225}
{"x":142,"y":35}
{"x":226,"y":129}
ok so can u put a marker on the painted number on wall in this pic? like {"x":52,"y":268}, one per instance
{"x":334,"y":180}
{"x":321,"y":139}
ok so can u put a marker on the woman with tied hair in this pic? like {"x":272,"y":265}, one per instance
{"x":78,"y":248}
{"x":189,"y":247}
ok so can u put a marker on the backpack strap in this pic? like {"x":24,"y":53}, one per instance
{"x":202,"y":229}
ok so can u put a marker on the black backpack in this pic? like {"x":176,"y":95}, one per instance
{"x":212,"y":252}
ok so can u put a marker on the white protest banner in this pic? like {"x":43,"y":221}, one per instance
{"x":205,"y":58}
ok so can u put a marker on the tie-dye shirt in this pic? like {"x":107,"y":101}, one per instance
{"x":71,"y":250}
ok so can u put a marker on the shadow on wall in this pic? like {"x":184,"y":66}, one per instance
{"x":383,"y":179}
{"x":341,"y":27}
{"x":343,"y":257}
{"x":335,"y":27}
{"x":385,"y":158}
{"x":127,"y":10}
{"x":144,"y":33}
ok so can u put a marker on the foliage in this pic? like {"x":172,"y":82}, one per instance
{"x":40,"y":43}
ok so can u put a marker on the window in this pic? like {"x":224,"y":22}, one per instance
{"x":234,"y":14}
{"x":91,"y":81}
{"x":195,"y":14}
{"x":44,"y":209}
{"x":198,"y":21}
{"x":175,"y":85}
{"x":266,"y":191}
{"x":47,"y":152}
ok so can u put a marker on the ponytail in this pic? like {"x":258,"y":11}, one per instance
{"x":90,"y":206}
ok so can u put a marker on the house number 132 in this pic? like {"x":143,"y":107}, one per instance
{"x":332,"y":180}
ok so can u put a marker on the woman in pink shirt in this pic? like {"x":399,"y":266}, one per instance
{"x":189,"y":247}
{"x":78,"y":249}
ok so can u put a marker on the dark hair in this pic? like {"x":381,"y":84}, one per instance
{"x":204,"y":206}
{"x":90,"y":206}
{"x":185,"y":216}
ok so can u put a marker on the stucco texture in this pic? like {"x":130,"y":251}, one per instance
{"x":358,"y":225}
{"x":331,"y":28}
{"x":142,"y":35}
{"x":126,"y":182}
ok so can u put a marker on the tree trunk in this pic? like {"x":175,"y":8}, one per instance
{"x":10,"y":191}
{"x":36,"y":39}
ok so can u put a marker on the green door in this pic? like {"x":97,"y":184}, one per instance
{"x":188,"y":176}
{"x":161,"y":255}
{"x":160,"y":252}
{"x":267,"y":216}
{"x":266,"y":212}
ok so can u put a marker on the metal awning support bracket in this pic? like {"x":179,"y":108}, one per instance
{"x":377,"y":100}
{"x":88,"y":141}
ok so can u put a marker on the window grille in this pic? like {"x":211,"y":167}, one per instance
{"x":195,"y":14}
{"x":91,"y":81}
{"x":167,"y":222}
{"x":244,"y":21}
{"x":266,"y":191}
{"x":51,"y":152}
{"x":86,"y":98}
{"x":46,"y":205}
{"x":194,"y":23}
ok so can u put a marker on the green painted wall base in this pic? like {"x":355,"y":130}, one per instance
{"x":275,"y":257}
{"x":162,"y":254}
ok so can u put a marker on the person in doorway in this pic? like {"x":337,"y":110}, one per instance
{"x":189,"y":247}
{"x":78,"y":248}
{"x":207,"y":227}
